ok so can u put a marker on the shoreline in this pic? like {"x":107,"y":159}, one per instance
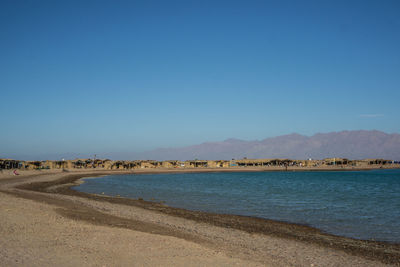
{"x":385,"y":252}
{"x":9,"y":172}
{"x":151,"y":201}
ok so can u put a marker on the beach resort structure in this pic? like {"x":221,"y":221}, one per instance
{"x":107,"y":164}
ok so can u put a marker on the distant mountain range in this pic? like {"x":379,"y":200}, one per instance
{"x":348,"y":144}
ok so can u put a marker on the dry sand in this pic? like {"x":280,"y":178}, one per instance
{"x":43,"y":224}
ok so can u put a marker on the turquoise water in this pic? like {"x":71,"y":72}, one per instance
{"x":358,"y":204}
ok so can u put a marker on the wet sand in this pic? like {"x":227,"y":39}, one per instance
{"x":155,"y":234}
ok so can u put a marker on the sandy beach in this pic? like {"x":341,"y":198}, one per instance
{"x":45,"y":223}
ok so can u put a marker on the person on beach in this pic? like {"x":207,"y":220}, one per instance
{"x":15,"y":172}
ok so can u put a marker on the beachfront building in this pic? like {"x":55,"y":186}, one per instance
{"x":379,"y":162}
{"x":79,"y":163}
{"x":171,"y":164}
{"x":196,"y":164}
{"x":117,"y":165}
{"x":33,"y":165}
{"x":218,"y":163}
{"x":307,"y":163}
{"x":265,"y":162}
{"x":252,"y":162}
{"x":99,"y":163}
{"x":57,"y":164}
{"x":369,"y":162}
{"x":107,"y":164}
{"x":6,"y":164}
{"x":145,"y":164}
{"x":338,"y":162}
{"x":136,"y":164}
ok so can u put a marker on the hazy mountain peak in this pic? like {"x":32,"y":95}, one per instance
{"x":233,"y":140}
{"x":349,"y":144}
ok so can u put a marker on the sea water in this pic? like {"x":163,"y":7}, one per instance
{"x":357,"y":204}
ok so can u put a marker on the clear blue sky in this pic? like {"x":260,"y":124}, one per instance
{"x":119,"y":76}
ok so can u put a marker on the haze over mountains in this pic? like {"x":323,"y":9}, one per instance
{"x":348,"y":144}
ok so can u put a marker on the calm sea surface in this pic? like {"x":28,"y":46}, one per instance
{"x":358,"y":204}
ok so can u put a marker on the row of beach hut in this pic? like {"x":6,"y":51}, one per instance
{"x":140,"y":164}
